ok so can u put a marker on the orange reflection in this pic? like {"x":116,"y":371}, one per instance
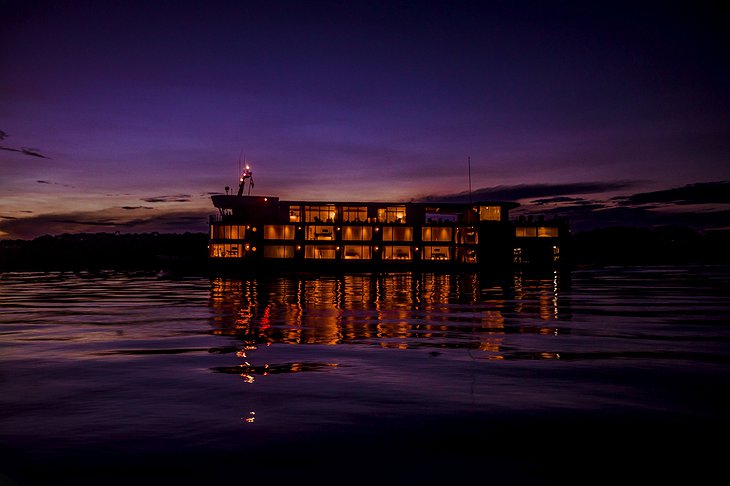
{"x":406,"y":310}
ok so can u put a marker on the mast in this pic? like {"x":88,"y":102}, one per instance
{"x":469,"y":163}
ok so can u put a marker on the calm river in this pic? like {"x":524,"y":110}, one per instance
{"x":598,"y":376}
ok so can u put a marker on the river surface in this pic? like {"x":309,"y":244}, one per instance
{"x":607,"y":376}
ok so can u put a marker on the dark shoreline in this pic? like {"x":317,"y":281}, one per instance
{"x":187,"y":252}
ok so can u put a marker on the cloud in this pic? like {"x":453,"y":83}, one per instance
{"x":107,"y":220}
{"x":559,"y":199}
{"x":658,"y":208}
{"x":699,"y":193}
{"x":173,"y":198}
{"x":647,"y":209}
{"x":40,"y":181}
{"x":531,"y":191}
{"x":27,"y":151}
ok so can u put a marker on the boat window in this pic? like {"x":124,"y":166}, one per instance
{"x":466,"y":255}
{"x":395,"y":233}
{"x":467,"y":236}
{"x":526,"y":232}
{"x":320,"y":252}
{"x":517,"y":256}
{"x":225,"y":250}
{"x":392,"y":214}
{"x":437,"y":253}
{"x":227,"y":232}
{"x":316,"y":214}
{"x":436,"y":233}
{"x":317,"y":232}
{"x":354,"y":214}
{"x":361,"y":233}
{"x":357,"y":252}
{"x":490,"y":213}
{"x":278,"y":232}
{"x":547,"y":231}
{"x":295,"y":214}
{"x":397,"y":252}
{"x":279,"y":251}
{"x":439,"y":217}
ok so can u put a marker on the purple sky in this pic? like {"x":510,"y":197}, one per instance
{"x":126,"y":116}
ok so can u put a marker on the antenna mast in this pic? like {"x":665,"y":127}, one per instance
{"x":469,"y":163}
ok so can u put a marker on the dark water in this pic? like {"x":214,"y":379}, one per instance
{"x":599,"y":376}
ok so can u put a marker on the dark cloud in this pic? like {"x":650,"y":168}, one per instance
{"x":647,"y":209}
{"x":559,"y":199}
{"x":531,"y":191}
{"x":27,"y":151}
{"x":699,"y":193}
{"x":586,"y":218}
{"x":105,"y":220}
{"x":55,"y":183}
{"x":173,"y":198}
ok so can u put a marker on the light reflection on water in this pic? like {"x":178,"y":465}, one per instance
{"x":109,"y":361}
{"x":402,"y":311}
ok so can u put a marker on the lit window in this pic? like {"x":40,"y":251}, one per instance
{"x":397,"y":252}
{"x":295,"y":214}
{"x":317,"y":232}
{"x":357,"y":252}
{"x":279,"y":232}
{"x":357,"y":233}
{"x":279,"y":251}
{"x":547,"y":231}
{"x":526,"y":232}
{"x":354,"y":214}
{"x":436,"y":233}
{"x":227,"y":232}
{"x":467,"y":236}
{"x":436,"y":253}
{"x":517,"y":255}
{"x":320,"y":214}
{"x":392,"y":214}
{"x":466,"y":255}
{"x":224,"y":250}
{"x":394,"y":233}
{"x":320,"y":252}
{"x":490,"y":213}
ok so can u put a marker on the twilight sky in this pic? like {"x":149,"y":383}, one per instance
{"x":127,"y":115}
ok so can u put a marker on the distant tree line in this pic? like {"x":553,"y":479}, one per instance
{"x":668,"y":245}
{"x":188,"y":251}
{"x":105,"y":251}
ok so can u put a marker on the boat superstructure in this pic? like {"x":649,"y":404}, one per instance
{"x":264,"y":231}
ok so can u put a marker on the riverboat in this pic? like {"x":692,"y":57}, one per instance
{"x":265,"y":232}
